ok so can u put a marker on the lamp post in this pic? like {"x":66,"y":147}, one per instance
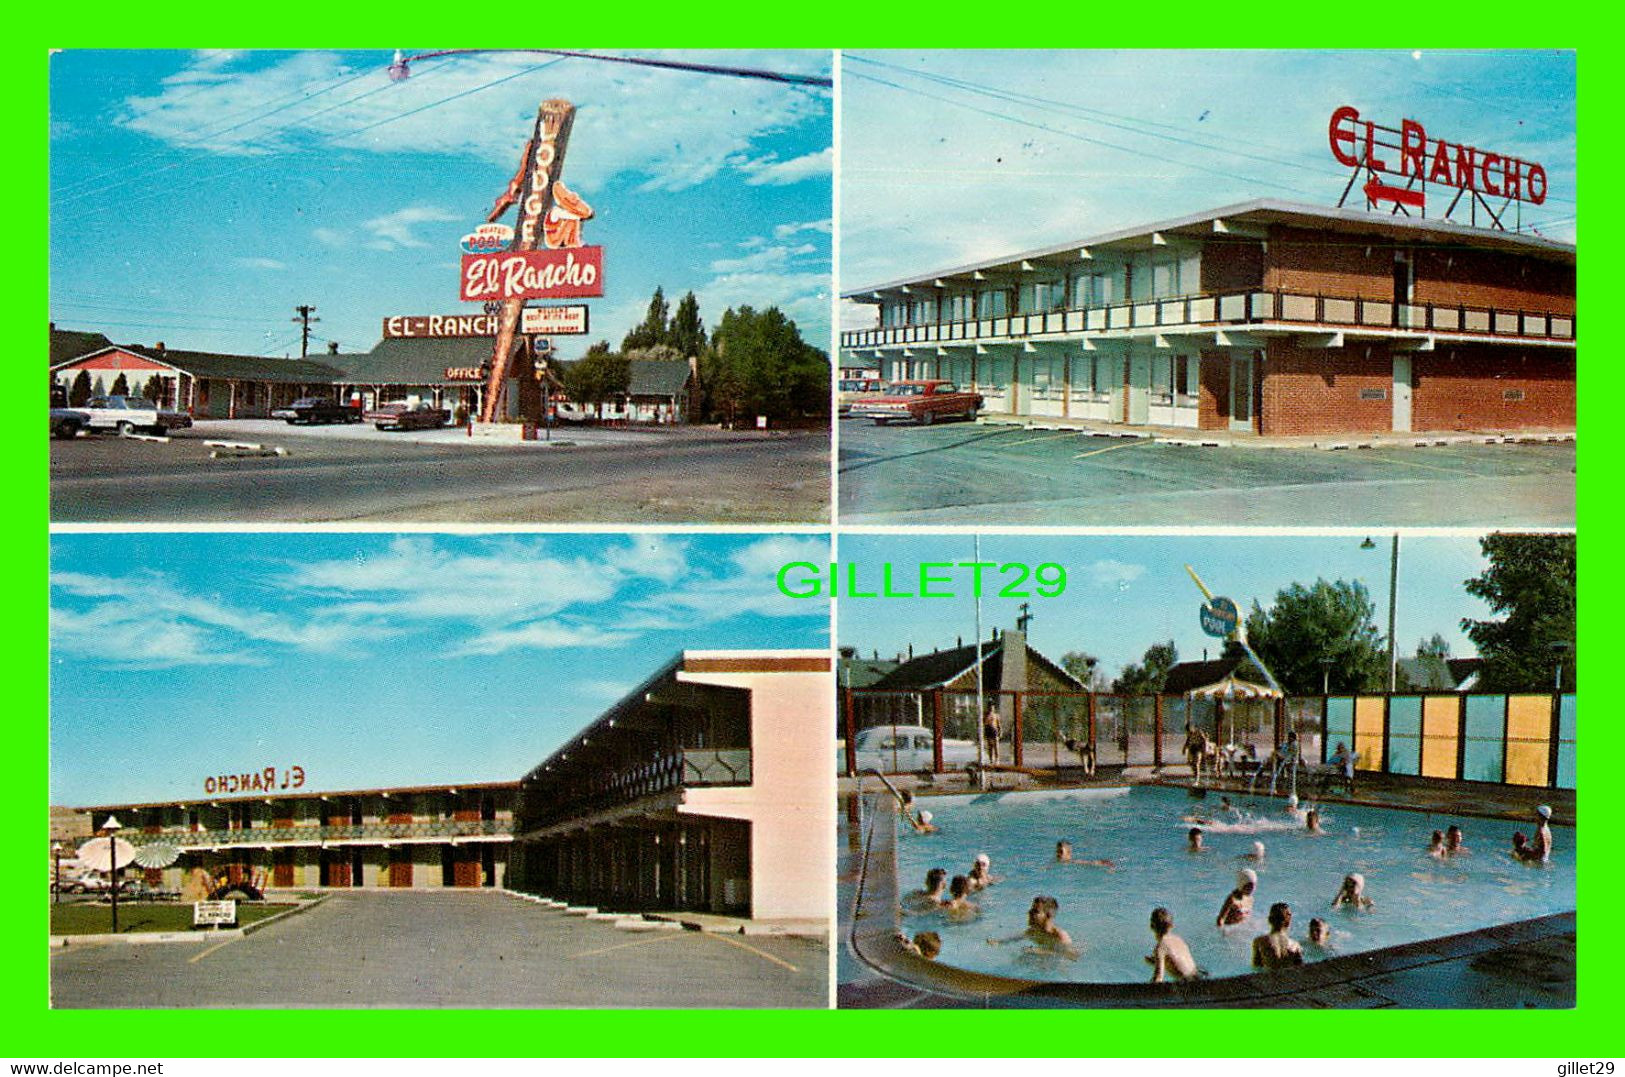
{"x":111,"y":829}
{"x":1326,"y":675}
{"x":56,"y":856}
{"x":1393,"y":598}
{"x":1559,"y":649}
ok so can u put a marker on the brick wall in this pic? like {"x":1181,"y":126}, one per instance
{"x":1328,"y":263}
{"x":1317,"y":391}
{"x":1465,"y":389}
{"x":1493,"y":279}
{"x":1213,"y":402}
{"x":1231,"y":265}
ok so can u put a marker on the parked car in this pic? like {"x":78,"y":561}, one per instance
{"x":850,"y":389}
{"x":923,"y":401}
{"x":404,"y":416}
{"x":314,"y":409}
{"x":68,"y":422}
{"x":126,"y":413}
{"x":899,"y":748}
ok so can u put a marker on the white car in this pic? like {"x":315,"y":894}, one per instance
{"x":894,"y":749}
{"x":124,"y":414}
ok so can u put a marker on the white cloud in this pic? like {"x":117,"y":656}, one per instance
{"x":393,"y":231}
{"x":785,"y":231}
{"x":748,"y":586}
{"x":261,"y":263}
{"x":329,"y":237}
{"x":761,"y":259}
{"x":541,"y":635}
{"x":1110,"y":573}
{"x":771,"y":171}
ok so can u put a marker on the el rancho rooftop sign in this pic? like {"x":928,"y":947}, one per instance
{"x":1409,"y":152}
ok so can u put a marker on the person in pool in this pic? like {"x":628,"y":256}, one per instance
{"x":1063,"y":855}
{"x":980,"y":877}
{"x":922,"y":823}
{"x":1238,"y":906}
{"x":959,"y":906}
{"x":1521,"y":848}
{"x":933,"y":896}
{"x":1256,"y":854}
{"x":1292,"y":808}
{"x":1436,"y":850}
{"x":1311,"y":821}
{"x":1193,"y":838}
{"x":1540,"y":848}
{"x":1277,"y":950}
{"x":1453,"y":843}
{"x":1320,"y":935}
{"x":926,"y":944}
{"x":1352,"y":894}
{"x":1044,"y":932}
{"x":1171,"y":957}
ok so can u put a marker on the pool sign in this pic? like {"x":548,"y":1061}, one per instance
{"x":488,"y":239}
{"x":1408,"y":153}
{"x":1220,"y":617}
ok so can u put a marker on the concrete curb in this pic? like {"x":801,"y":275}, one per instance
{"x":147,"y":938}
{"x":1199,"y":439}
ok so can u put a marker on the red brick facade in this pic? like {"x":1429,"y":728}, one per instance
{"x":1318,"y":391}
{"x":1485,"y":388}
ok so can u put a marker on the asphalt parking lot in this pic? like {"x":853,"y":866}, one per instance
{"x":963,"y":473}
{"x":480,"y":950}
{"x":356,"y":473}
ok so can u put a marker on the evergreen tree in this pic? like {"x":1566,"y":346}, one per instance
{"x":757,"y":364}
{"x":597,"y":378}
{"x":687,"y":331}
{"x":155,"y":390}
{"x":1146,"y":678}
{"x":121,"y":385}
{"x":652,"y":330}
{"x":1530,"y":580}
{"x":79,"y":394}
{"x":1330,"y":621}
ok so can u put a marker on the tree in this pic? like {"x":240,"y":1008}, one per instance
{"x":1308,"y":627}
{"x":757,"y":364}
{"x":156,"y":390}
{"x":1435,"y":646}
{"x":1148,"y":676}
{"x":1085,"y":667}
{"x":1531,"y":580}
{"x":652,"y":330}
{"x":664,"y":353}
{"x":687,"y":332}
{"x":596,"y":378}
{"x":79,"y":393}
{"x":121,"y":385}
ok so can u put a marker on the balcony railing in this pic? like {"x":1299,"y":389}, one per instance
{"x":1236,"y":308}
{"x":274,"y":835}
{"x":603,"y":790}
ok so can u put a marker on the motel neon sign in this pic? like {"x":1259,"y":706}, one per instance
{"x":1407,"y":151}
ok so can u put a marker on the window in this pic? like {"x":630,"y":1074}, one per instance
{"x":1098,"y":289}
{"x":959,"y":307}
{"x":893,"y":314}
{"x":1187,"y":380}
{"x":1049,"y":295}
{"x":1162,"y":379}
{"x":992,"y":303}
{"x":922,"y":312}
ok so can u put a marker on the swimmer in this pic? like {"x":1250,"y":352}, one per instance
{"x":1292,"y":808}
{"x":1520,"y":846}
{"x":935,"y":893}
{"x":926,"y":944}
{"x":1540,"y":848}
{"x":980,"y":878}
{"x":1256,"y":855}
{"x":1227,"y":807}
{"x":1238,"y":906}
{"x":959,"y":906}
{"x":1453,"y":843}
{"x":1311,"y":821}
{"x":1194,"y":836}
{"x":1171,"y":957}
{"x":1436,"y":849}
{"x":1043,"y":931}
{"x":1277,"y":949}
{"x":922,"y":823}
{"x":1320,"y":935}
{"x":1063,"y":855}
{"x":1352,"y":893}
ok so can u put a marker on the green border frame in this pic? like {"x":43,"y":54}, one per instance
{"x":1590,"y":1030}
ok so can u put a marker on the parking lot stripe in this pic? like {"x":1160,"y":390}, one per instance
{"x":1112,"y":448}
{"x":666,"y":936}
{"x":1050,"y":436}
{"x":199,"y":957}
{"x":1428,"y":467}
{"x":730,"y":940}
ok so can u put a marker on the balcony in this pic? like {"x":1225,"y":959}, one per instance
{"x":585,"y":794}
{"x":1233,"y":309}
{"x":437,"y":830}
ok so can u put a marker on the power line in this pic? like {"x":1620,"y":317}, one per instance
{"x":399,"y":70}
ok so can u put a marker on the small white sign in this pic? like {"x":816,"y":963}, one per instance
{"x":217,"y":913}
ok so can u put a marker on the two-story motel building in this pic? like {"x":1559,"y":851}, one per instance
{"x":705,"y":789}
{"x":1264,"y":318}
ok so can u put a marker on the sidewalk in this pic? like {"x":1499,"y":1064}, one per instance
{"x":1178,"y":435}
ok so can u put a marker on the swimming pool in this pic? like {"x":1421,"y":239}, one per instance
{"x":1143,"y":830}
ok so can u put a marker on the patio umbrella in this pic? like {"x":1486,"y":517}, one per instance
{"x":98,"y":853}
{"x":1232,"y":688}
{"x":157,"y":855}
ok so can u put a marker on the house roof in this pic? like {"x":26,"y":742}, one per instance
{"x":858,"y":672}
{"x":1427,"y":673}
{"x":413,"y":360}
{"x":1263,"y":211}
{"x":69,"y":344}
{"x":1187,"y":676}
{"x":940,"y":667}
{"x":657,"y":377}
{"x":219,"y":365}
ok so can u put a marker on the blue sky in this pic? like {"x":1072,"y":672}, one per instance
{"x":1043,"y":146}
{"x":375,"y":659}
{"x":1125,"y":593}
{"x":196,"y":198}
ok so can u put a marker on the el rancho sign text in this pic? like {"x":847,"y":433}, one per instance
{"x":549,"y":273}
{"x":1408,"y":151}
{"x":269,"y":780}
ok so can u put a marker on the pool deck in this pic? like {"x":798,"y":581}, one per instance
{"x":1525,"y":965}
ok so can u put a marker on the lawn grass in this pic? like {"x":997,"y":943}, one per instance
{"x":94,"y":918}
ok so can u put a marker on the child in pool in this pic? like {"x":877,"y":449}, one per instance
{"x":1277,"y":949}
{"x":1352,"y":894}
{"x":1063,"y":855}
{"x":1194,"y":838}
{"x":935,"y":894}
{"x":1311,"y":821}
{"x":1238,"y":906}
{"x":959,"y":906}
{"x":1256,"y":855}
{"x":926,"y":944}
{"x":1171,"y":957}
{"x":980,"y":877}
{"x":1436,"y":849}
{"x":1453,"y":843}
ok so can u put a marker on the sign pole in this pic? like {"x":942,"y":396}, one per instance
{"x":544,"y":160}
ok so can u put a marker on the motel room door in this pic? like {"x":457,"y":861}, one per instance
{"x":1402,"y":394}
{"x":1241,"y":392}
{"x":1139,"y":389}
{"x":400,"y":867}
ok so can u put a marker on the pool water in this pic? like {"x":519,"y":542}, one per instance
{"x":1143,"y":830}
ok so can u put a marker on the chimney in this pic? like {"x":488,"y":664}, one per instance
{"x":158,"y":347}
{"x":959,"y":641}
{"x":911,"y":650}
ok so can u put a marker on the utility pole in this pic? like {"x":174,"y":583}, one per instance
{"x":304,"y":318}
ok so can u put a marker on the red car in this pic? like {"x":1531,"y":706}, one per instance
{"x":923,"y":401}
{"x":404,"y":416}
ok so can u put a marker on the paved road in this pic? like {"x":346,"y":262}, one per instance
{"x":483,"y":950}
{"x":960,"y":473}
{"x":723,"y":478}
